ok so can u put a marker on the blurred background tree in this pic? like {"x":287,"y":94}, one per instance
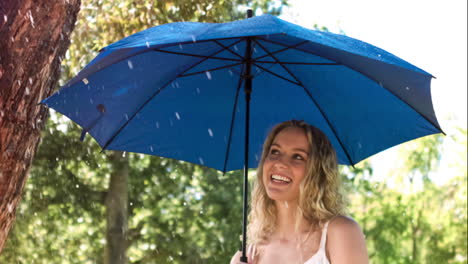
{"x":176,"y":212}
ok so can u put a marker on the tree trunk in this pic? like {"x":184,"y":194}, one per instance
{"x":117,"y":210}
{"x":34,"y":37}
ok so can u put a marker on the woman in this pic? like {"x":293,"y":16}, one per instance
{"x":297,"y":212}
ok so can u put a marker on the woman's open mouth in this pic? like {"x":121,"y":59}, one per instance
{"x":279,"y":179}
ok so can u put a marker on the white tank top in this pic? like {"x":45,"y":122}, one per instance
{"x":320,"y":257}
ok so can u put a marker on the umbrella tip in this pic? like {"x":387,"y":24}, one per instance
{"x":249,"y":13}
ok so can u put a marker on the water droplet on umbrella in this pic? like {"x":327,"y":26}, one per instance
{"x":85,"y":81}
{"x":147,"y":44}
{"x":378,"y":55}
{"x":130,"y":64}
{"x":210,"y":132}
{"x":177,"y":116}
{"x":208,"y":75}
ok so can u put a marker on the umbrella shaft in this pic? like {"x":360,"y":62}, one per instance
{"x":247,"y":90}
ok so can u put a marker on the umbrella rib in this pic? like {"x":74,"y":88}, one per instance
{"x":313,"y":100}
{"x":302,"y":63}
{"x":277,"y":75}
{"x":228,"y":49}
{"x":369,"y":77}
{"x":210,"y":70}
{"x":280,"y":50}
{"x":233,"y":116}
{"x":195,"y":55}
{"x":157,"y":92}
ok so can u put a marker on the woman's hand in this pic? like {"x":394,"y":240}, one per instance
{"x":236,"y":258}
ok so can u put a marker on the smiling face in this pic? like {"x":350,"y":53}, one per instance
{"x":285,"y":164}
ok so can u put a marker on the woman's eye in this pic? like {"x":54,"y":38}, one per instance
{"x":274,"y":152}
{"x":298,"y":157}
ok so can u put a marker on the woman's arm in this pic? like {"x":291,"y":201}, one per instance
{"x":346,"y":242}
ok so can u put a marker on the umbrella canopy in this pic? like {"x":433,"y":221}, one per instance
{"x":177,"y":91}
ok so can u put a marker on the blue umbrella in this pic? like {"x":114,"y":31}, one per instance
{"x":177,"y":91}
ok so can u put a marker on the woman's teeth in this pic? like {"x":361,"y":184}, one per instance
{"x":279,"y":178}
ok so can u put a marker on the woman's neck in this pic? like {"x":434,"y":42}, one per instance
{"x":287,"y":217}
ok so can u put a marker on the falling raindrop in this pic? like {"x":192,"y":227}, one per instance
{"x":130,"y":64}
{"x":235,"y":48}
{"x":181,"y":47}
{"x":5,"y":18}
{"x":157,"y":124}
{"x":77,"y":186}
{"x":202,"y":162}
{"x":31,"y":18}
{"x":85,"y":81}
{"x":123,"y":154}
{"x":198,"y":90}
{"x":177,"y":116}
{"x":407,"y":88}
{"x":27,"y":91}
{"x":208,"y":75}
{"x":147,"y":44}
{"x":194,"y":39}
{"x":30,"y":81}
{"x":126,"y":117}
{"x":210,"y":132}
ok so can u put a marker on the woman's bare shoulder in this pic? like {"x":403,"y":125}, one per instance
{"x":343,"y":223}
{"x":346,"y":241}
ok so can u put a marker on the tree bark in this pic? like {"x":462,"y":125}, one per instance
{"x":117,"y":210}
{"x":34,"y":37}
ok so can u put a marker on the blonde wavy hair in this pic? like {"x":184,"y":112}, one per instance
{"x":320,"y":197}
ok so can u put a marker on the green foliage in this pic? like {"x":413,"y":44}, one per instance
{"x":416,"y":221}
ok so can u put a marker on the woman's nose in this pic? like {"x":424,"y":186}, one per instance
{"x":281,"y":162}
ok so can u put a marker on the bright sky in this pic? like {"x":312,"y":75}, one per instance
{"x":431,"y":34}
